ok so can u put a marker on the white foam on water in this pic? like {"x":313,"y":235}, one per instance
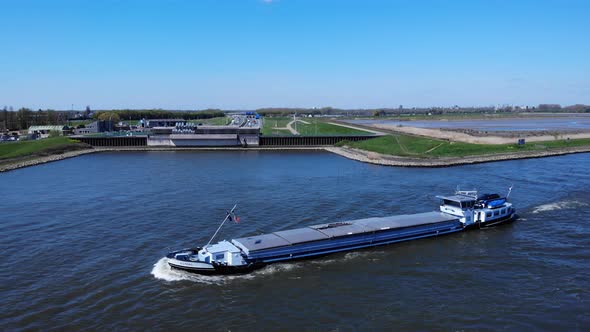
{"x":364,"y":254}
{"x":276,"y":268}
{"x":163,"y":271}
{"x":559,"y":206}
{"x":355,"y":254}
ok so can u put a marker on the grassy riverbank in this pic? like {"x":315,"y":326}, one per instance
{"x":319,"y":128}
{"x":36,"y":148}
{"x":307,"y":127}
{"x":271,"y":125}
{"x":421,"y":147}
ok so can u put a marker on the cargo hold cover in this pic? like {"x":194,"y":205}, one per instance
{"x":337,"y":229}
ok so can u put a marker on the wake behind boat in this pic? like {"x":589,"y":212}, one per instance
{"x":461,"y":211}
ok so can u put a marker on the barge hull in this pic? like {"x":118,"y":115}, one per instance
{"x":365,"y":242}
{"x":218,"y":269}
{"x":506,"y":220}
{"x":330,"y":238}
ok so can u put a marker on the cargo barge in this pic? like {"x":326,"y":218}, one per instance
{"x":464,"y":210}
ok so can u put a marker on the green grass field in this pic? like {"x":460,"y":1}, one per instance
{"x":412,"y":146}
{"x":219,"y":121}
{"x":11,"y":150}
{"x":269,"y":125}
{"x":319,"y":127}
{"x":316,"y":127}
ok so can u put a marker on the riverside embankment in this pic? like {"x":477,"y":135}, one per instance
{"x":11,"y":164}
{"x":389,"y":160}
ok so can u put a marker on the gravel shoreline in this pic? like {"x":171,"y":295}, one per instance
{"x":350,"y":153}
{"x":11,"y":165}
{"x":388,"y":160}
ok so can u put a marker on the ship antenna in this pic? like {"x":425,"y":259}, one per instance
{"x":223,"y":222}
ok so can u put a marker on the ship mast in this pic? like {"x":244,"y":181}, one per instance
{"x":223,"y":222}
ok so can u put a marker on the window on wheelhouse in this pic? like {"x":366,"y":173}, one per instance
{"x":468,"y":204}
{"x":451,"y":203}
{"x":219,"y":257}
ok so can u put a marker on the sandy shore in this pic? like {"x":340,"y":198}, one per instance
{"x":388,"y":160}
{"x":466,"y":138}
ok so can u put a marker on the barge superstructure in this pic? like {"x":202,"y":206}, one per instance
{"x":458,"y":212}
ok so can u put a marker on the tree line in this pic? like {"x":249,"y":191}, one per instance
{"x":25,"y":117}
{"x":122,"y":115}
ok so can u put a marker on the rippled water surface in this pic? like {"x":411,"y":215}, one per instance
{"x":83,"y":239}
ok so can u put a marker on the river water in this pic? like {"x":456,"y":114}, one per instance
{"x":83,"y":239}
{"x":510,"y":124}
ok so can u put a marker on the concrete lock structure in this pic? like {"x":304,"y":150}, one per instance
{"x":220,"y":139}
{"x":204,"y":136}
{"x":242,"y":131}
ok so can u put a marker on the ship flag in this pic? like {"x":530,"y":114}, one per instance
{"x":231,"y":216}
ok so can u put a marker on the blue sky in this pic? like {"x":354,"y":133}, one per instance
{"x":245,"y":54}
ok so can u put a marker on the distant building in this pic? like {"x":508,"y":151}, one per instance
{"x":122,"y":126}
{"x":43,"y":131}
{"x":95,"y":127}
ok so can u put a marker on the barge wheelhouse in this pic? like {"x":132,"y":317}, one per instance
{"x":478,"y":210}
